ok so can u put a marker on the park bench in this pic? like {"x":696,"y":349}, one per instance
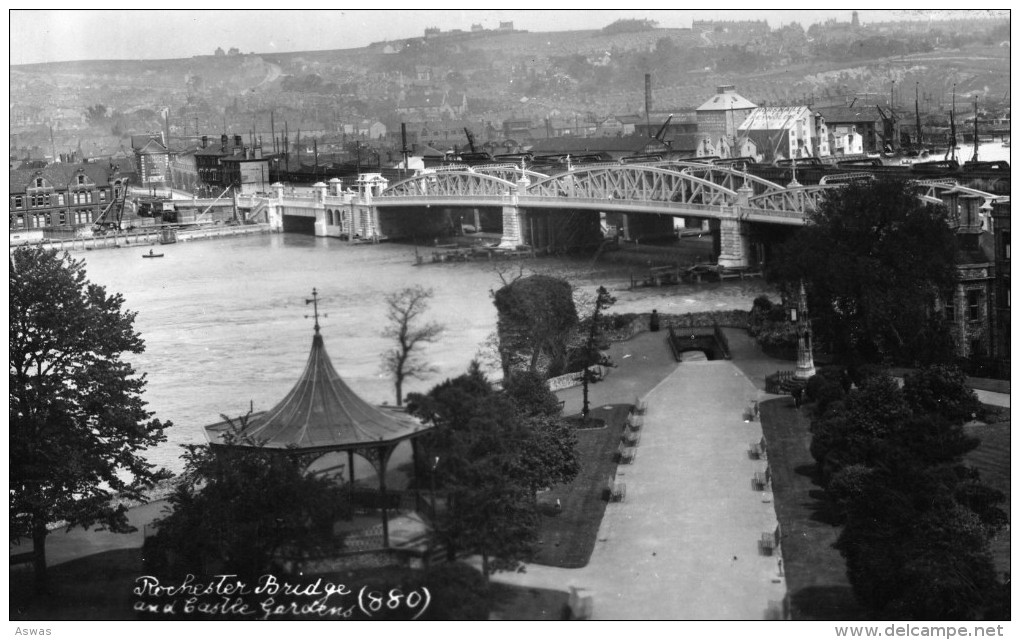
{"x":616,"y":491}
{"x":634,"y":423}
{"x":631,"y":438}
{"x":639,"y":407}
{"x":755,"y":451}
{"x":627,"y":455}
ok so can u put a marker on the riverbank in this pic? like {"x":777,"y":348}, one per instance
{"x":143,"y":236}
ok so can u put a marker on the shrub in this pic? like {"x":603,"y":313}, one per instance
{"x":941,"y":389}
{"x":825,"y":387}
{"x":459,"y":592}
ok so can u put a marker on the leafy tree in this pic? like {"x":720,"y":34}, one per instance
{"x":536,"y":315}
{"x":602,"y":301}
{"x":403,"y":311}
{"x":491,"y":459}
{"x":912,"y":552}
{"x":237,"y":506}
{"x":941,"y":389}
{"x":549,"y":453}
{"x":77,"y":419}
{"x":96,"y":113}
{"x":876,"y":260}
{"x":531,"y":394}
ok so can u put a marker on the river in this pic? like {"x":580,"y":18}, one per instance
{"x":226,"y":325}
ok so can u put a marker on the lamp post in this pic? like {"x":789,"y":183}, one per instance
{"x":432,"y":488}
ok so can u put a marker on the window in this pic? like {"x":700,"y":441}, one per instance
{"x":973,"y":310}
{"x":81,"y":179}
{"x":88,"y":196}
{"x":39,"y":182}
{"x":102,"y":195}
{"x":60,"y":199}
{"x":62,"y":218}
{"x":18,"y":202}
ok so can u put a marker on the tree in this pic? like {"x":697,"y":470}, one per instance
{"x":602,"y":301}
{"x":238,"y":505}
{"x":491,"y":460}
{"x":912,"y":551}
{"x":943,"y":390}
{"x":403,"y":311}
{"x":536,"y":315}
{"x":531,"y":394}
{"x":96,"y":113}
{"x":77,"y":419}
{"x":876,"y":261}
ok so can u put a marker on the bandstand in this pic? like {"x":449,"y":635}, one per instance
{"x":322,"y":415}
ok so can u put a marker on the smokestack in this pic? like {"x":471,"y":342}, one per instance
{"x":403,"y":142}
{"x":648,"y":102}
{"x":648,"y":93}
{"x":205,"y":141}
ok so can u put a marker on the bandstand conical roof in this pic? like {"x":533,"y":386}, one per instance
{"x":321,"y":413}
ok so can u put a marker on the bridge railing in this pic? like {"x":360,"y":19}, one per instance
{"x":482,"y":199}
{"x":621,"y":203}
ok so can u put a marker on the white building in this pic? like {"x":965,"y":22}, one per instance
{"x":786,"y":132}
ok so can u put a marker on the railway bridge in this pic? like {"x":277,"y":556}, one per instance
{"x":530,"y":208}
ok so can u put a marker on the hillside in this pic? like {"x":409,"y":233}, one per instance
{"x":589,"y":74}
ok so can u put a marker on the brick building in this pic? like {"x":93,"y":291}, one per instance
{"x":62,"y":195}
{"x":208,"y":159}
{"x":152,"y":159}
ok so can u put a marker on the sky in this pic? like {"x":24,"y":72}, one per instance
{"x":119,"y":33}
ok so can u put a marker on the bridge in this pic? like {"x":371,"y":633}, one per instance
{"x":732,"y":200}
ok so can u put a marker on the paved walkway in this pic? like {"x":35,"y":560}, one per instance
{"x":683,"y":545}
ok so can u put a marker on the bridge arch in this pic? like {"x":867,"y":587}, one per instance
{"x":731,"y":178}
{"x":509,"y":172}
{"x":450,"y":183}
{"x":802,"y":199}
{"x":633,"y":182}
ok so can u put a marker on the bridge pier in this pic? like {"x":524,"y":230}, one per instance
{"x":734,"y":243}
{"x":513,"y":227}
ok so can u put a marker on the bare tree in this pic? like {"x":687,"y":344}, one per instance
{"x":403,"y":311}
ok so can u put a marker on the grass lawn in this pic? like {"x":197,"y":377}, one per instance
{"x":815,"y":572}
{"x":567,"y":539}
{"x":97,"y":587}
{"x":523,"y":603}
{"x":991,"y":459}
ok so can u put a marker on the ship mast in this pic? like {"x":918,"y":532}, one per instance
{"x":917,"y":116}
{"x":975,"y":158}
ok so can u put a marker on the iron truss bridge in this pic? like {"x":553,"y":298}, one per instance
{"x":673,"y":188}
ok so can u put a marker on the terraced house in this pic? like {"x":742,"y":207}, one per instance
{"x":62,"y":195}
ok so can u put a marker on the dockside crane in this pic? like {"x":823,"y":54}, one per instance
{"x":112,"y":215}
{"x":889,"y":128}
{"x":474,"y":156}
